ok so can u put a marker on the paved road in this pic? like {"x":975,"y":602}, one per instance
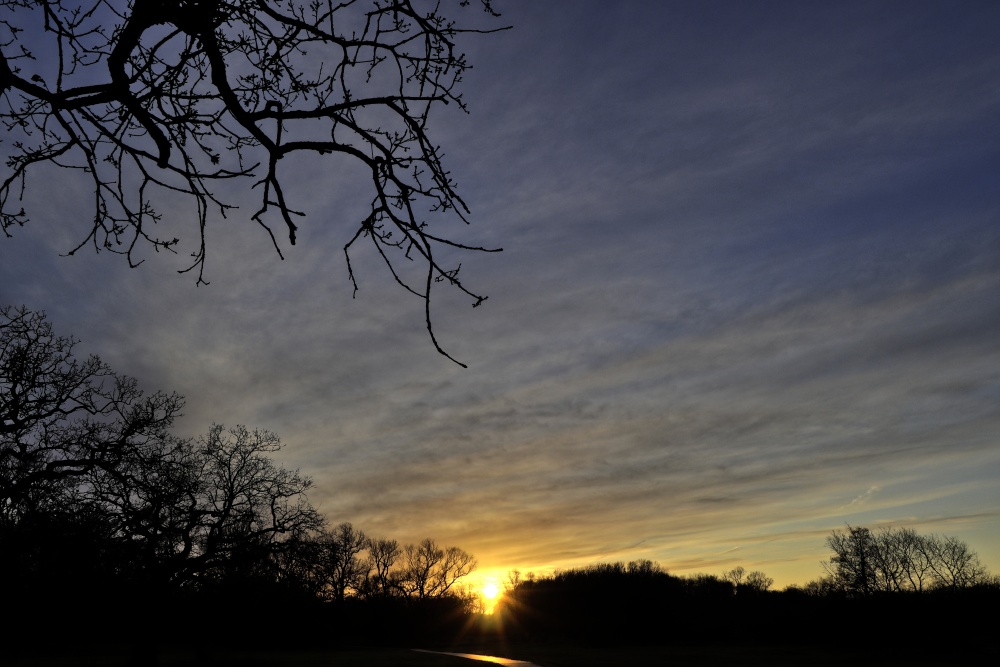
{"x":485,"y":658}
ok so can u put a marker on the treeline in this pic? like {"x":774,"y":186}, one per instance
{"x":115,"y":530}
{"x":883,"y":583}
{"x":112,"y":527}
{"x":344,"y":563}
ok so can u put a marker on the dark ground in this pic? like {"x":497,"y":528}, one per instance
{"x":544,"y":655}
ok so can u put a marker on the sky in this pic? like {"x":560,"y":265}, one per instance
{"x":749,"y":294}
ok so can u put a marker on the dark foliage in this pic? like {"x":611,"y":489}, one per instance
{"x":638,"y":604}
{"x":63,"y":419}
{"x":114,"y":530}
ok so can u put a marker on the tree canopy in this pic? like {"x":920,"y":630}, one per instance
{"x":154,"y":99}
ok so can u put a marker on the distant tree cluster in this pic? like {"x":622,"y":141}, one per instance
{"x":344,"y":563}
{"x":755,"y":582}
{"x":638,"y":601}
{"x":891,"y":579}
{"x":101,"y":505}
{"x":889,"y":560}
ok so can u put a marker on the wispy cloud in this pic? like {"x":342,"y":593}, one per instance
{"x":748,"y":295}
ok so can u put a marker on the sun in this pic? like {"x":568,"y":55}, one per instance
{"x":490,"y":593}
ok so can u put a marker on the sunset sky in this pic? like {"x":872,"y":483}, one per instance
{"x":749,"y":294}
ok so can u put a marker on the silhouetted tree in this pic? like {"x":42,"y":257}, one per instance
{"x":62,"y":418}
{"x":81,"y":445}
{"x":888,"y":560}
{"x":104,"y":510}
{"x":383,"y":579}
{"x":953,"y":563}
{"x":431,"y":571}
{"x":149,"y":100}
{"x":758,"y":582}
{"x":644,"y":568}
{"x":735,"y":576}
{"x":339,"y":563}
{"x":246,"y":507}
{"x":741,"y":580}
{"x":853,"y":564}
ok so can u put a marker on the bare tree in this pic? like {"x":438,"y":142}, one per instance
{"x":419,"y":561}
{"x":851,"y":565}
{"x":149,"y":100}
{"x":339,"y":560}
{"x":514,"y":579}
{"x":431,"y":571}
{"x":455,"y":565}
{"x":81,"y":443}
{"x":888,"y":560}
{"x":210,"y":508}
{"x":249,"y":502}
{"x":735,"y":576}
{"x":62,"y":417}
{"x":756,"y":581}
{"x":759,"y":582}
{"x":917,"y":573}
{"x":953,"y":563}
{"x":383,"y":555}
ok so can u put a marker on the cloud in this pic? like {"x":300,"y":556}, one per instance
{"x":749,"y":271}
{"x":862,"y":497}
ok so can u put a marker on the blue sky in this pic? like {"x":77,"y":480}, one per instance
{"x":749,"y":293}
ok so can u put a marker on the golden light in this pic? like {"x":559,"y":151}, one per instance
{"x":490,"y":592}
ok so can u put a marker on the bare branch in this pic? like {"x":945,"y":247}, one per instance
{"x":154,"y":99}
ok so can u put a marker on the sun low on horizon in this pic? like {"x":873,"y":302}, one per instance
{"x":490,"y":592}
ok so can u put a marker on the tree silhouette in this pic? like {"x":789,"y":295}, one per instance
{"x":62,"y":418}
{"x":758,"y":582}
{"x":166,"y":98}
{"x":81,"y":445}
{"x":383,"y":579}
{"x":735,"y":576}
{"x":431,"y":571}
{"x":754,"y":582}
{"x":212,"y":508}
{"x":890,"y":560}
{"x":338,"y":562}
{"x":103,"y":508}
